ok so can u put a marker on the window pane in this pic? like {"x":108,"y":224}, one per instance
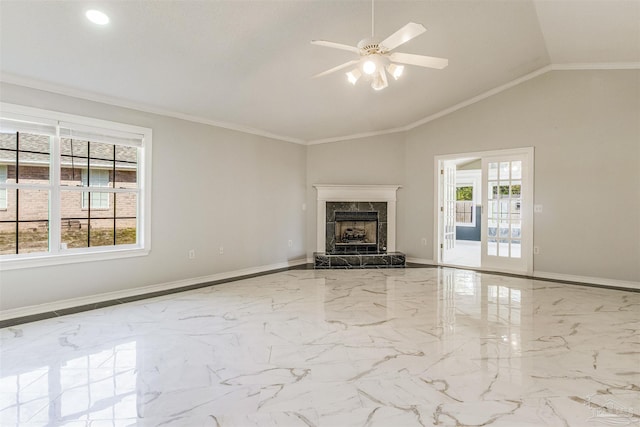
{"x":504,"y":228}
{"x":32,"y":204}
{"x":516,"y":170}
{"x":126,"y":154}
{"x":516,"y":249}
{"x":504,"y":190}
{"x":75,"y":221}
{"x":516,"y":189}
{"x":3,"y":191}
{"x":493,"y":171}
{"x":33,"y":158}
{"x":32,"y":220}
{"x":464,"y":193}
{"x":504,"y":170}
{"x":503,"y":248}
{"x":515,"y":209}
{"x":492,"y":247}
{"x":126,"y":175}
{"x":101,"y":232}
{"x":73,"y":148}
{"x":126,"y":233}
{"x":81,"y":231}
{"x":493,"y":190}
{"x":492,"y":228}
{"x":33,"y":168}
{"x":101,"y":151}
{"x":33,"y":237}
{"x":8,"y":140}
{"x":7,"y":238}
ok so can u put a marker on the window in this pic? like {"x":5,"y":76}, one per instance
{"x":73,"y":188}
{"x":468,"y":197}
{"x":464,"y":204}
{"x":465,"y":215}
{"x":97,"y":178}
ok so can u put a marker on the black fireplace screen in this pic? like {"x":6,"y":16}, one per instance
{"x":356,"y":229}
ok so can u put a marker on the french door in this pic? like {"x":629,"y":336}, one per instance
{"x":447,"y":208}
{"x":507,"y":227}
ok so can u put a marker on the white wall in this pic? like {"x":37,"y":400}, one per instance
{"x":585,"y":127}
{"x":211,"y":187}
{"x":214,"y":187}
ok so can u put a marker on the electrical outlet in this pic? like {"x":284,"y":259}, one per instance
{"x":290,"y":243}
{"x":192,"y":254}
{"x":424,"y":241}
{"x":536,"y":250}
{"x":221,"y":250}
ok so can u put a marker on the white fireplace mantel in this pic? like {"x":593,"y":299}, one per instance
{"x":356,"y":193}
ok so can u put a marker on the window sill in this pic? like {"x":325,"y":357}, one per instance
{"x":70,"y":256}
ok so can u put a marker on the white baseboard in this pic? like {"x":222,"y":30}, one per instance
{"x":601,"y":281}
{"x":108,"y":296}
{"x":587,"y":280}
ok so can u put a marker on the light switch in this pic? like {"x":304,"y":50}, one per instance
{"x":537,"y":208}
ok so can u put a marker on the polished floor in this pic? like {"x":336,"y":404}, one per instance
{"x":407,"y":347}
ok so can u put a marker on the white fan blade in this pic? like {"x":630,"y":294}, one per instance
{"x":420,"y":60}
{"x":339,"y":67}
{"x":403,"y":35}
{"x":336,"y":45}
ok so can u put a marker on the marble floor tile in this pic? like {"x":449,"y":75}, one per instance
{"x":407,"y":347}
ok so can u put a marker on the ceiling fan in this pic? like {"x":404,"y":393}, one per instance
{"x":376,"y":56}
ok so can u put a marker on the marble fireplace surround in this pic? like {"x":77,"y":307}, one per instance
{"x":355,"y":193}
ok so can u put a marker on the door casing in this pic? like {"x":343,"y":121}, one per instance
{"x":528,"y":194}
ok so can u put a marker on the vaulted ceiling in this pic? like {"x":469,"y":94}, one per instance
{"x":248,"y":64}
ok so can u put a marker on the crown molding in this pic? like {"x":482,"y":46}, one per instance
{"x":479,"y":98}
{"x":119,"y":102}
{"x":442,"y":113}
{"x":355,"y":136}
{"x":597,"y":66}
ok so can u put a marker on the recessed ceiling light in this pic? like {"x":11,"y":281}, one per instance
{"x":97,"y":17}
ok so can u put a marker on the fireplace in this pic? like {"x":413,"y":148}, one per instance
{"x":357,"y":227}
{"x":356,"y":232}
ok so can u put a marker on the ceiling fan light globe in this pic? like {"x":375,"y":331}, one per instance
{"x":97,"y":17}
{"x":369,"y":67}
{"x":378,"y":82}
{"x":395,"y":70}
{"x":353,"y":76}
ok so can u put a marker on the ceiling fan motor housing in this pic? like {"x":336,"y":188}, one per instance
{"x":369,"y":46}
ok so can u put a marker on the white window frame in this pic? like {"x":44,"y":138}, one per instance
{"x":58,"y":254}
{"x":4,"y":203}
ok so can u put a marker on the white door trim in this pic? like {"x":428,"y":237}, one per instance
{"x":526,"y":151}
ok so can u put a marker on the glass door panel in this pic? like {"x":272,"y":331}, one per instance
{"x":502,"y":226}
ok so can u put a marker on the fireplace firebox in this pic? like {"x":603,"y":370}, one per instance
{"x":356,"y":232}
{"x":354,"y":228}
